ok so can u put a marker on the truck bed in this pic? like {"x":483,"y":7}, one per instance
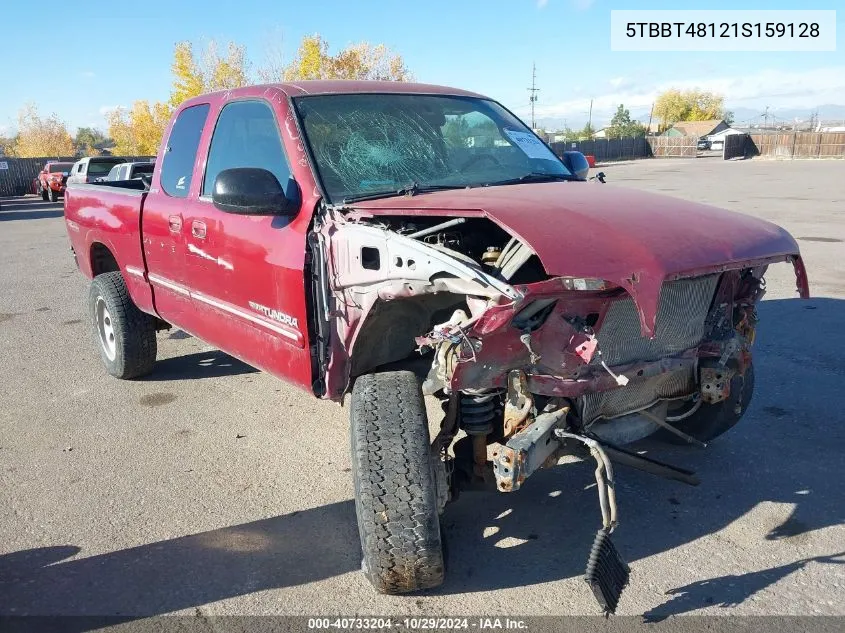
{"x":109,"y":215}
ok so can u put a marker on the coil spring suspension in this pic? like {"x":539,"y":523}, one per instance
{"x":478,"y":410}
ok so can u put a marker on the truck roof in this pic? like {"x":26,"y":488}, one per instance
{"x":336,"y":86}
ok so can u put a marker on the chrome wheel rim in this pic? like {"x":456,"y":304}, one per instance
{"x":105,"y":328}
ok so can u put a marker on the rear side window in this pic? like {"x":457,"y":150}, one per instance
{"x":99,"y":168}
{"x":246,"y":135}
{"x":181,"y":151}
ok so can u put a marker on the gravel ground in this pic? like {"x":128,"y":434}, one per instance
{"x":210,"y":488}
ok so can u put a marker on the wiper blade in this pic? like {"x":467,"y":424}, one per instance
{"x":409,"y":190}
{"x":534,"y":176}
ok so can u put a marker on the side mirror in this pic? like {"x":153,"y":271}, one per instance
{"x":577,"y":163}
{"x":251,"y":191}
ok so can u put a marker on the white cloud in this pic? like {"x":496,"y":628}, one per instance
{"x":542,"y":3}
{"x":88,"y":74}
{"x":776,"y":88}
{"x":3,"y":129}
{"x":582,"y":5}
{"x":104,"y":110}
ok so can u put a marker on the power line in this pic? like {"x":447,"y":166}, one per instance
{"x":533,"y":90}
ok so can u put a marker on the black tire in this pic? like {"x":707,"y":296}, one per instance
{"x":712,"y":420}
{"x":395,"y":488}
{"x":132,"y":332}
{"x":53,"y":195}
{"x":43,"y":192}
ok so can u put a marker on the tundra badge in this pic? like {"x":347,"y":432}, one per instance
{"x":276,"y":315}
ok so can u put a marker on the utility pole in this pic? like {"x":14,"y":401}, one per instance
{"x":590,"y":117}
{"x":533,"y":90}
{"x":766,"y":118}
{"x":650,"y":115}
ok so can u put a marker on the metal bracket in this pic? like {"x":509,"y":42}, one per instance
{"x":518,"y":403}
{"x":715,"y":383}
{"x":528,"y":450}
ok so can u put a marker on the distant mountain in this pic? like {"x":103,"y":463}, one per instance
{"x":829,"y":113}
{"x":826,"y":113}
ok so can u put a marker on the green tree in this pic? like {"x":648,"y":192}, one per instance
{"x":621,"y":125}
{"x":586,"y":133}
{"x":88,"y":140}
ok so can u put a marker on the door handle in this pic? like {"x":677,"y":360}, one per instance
{"x":175,"y":223}
{"x":198,"y":229}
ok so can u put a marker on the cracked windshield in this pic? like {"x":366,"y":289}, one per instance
{"x":383,"y":144}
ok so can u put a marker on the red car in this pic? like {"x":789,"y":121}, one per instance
{"x":391,"y":240}
{"x":52,"y":180}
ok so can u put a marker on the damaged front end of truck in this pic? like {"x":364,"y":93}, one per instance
{"x":532,"y":365}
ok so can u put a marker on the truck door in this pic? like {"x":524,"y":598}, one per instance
{"x":162,"y":218}
{"x":246,"y":273}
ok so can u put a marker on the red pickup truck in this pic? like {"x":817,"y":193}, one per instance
{"x":52,"y":180}
{"x":394,"y":240}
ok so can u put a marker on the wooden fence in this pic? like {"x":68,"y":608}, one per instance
{"x":18,"y":174}
{"x":629,"y":148}
{"x":674,"y":146}
{"x":789,"y":145}
{"x":605,"y":149}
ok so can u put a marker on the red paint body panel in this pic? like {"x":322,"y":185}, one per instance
{"x":205,"y":286}
{"x":102,"y":215}
{"x":631,"y":238}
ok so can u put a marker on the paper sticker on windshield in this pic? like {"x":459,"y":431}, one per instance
{"x":530,"y":144}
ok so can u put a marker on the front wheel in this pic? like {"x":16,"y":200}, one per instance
{"x":712,"y":420}
{"x":43,"y":192}
{"x":125,"y":336}
{"x":53,"y":195}
{"x":395,"y":486}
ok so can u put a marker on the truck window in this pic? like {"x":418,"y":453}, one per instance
{"x":246,"y":135}
{"x":181,"y":151}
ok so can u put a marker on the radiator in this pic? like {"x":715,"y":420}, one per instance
{"x":681,"y":314}
{"x":681,"y":317}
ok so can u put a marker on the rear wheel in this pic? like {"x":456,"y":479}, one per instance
{"x":712,"y":420}
{"x":125,"y":336}
{"x":395,"y":486}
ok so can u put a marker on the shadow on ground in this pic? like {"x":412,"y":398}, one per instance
{"x":211,"y":364}
{"x":29,"y":209}
{"x":541,"y":533}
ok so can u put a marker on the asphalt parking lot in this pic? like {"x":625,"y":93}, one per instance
{"x":210,"y":488}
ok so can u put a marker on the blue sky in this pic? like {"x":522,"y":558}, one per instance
{"x":68,"y":68}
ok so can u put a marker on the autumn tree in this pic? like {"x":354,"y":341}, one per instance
{"x":622,"y":126}
{"x":39,"y":136}
{"x":357,"y":61}
{"x":138,"y":131}
{"x":212,"y":71}
{"x":675,"y":105}
{"x":188,"y":81}
{"x":7,"y":145}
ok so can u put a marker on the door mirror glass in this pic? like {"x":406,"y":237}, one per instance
{"x":577,"y":163}
{"x":251,"y":191}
